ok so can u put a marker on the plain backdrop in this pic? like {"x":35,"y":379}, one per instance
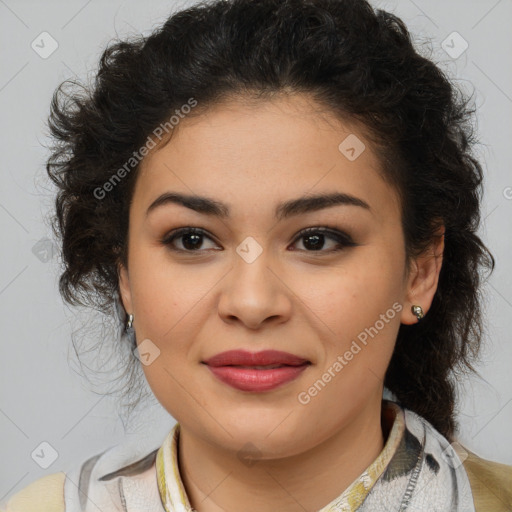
{"x":43,"y":398}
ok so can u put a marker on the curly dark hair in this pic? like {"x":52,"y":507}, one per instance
{"x":357,"y":61}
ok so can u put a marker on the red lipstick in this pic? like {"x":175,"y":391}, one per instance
{"x":256,"y":371}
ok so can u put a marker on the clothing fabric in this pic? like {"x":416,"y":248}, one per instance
{"x":417,"y":470}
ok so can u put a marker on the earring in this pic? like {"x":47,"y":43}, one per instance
{"x":418,"y":311}
{"x":129,"y":323}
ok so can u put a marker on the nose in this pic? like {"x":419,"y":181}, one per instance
{"x":254,"y":294}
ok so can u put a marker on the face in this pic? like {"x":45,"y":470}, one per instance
{"x":266,"y":267}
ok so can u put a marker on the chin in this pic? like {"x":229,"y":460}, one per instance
{"x":270,"y":436}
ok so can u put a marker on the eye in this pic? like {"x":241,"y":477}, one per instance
{"x":191,"y":239}
{"x":314,"y":239}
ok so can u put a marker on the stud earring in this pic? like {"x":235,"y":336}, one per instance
{"x":418,"y":311}
{"x":129,"y":323}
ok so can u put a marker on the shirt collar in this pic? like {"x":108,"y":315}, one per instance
{"x":174,"y":497}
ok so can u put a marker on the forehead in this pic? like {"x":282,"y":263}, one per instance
{"x":257,"y":153}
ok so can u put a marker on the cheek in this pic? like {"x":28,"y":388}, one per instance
{"x":164,"y":294}
{"x":360,"y":304}
{"x":356,"y":293}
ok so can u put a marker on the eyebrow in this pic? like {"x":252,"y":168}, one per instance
{"x":301,"y":205}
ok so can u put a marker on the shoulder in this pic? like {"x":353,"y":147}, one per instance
{"x":43,"y":495}
{"x":108,"y":480}
{"x":491,"y":483}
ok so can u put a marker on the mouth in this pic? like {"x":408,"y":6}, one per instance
{"x":263,"y":359}
{"x":266,"y":367}
{"x":256,"y":371}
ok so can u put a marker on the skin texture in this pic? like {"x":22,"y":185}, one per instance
{"x":312,"y":303}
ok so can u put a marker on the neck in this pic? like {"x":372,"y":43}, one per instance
{"x":216,"y":481}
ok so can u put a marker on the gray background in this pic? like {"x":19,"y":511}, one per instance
{"x":43,"y":399}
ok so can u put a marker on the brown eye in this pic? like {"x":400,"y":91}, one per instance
{"x":192,"y":239}
{"x":314,"y":239}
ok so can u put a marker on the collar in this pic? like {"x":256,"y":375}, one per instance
{"x":174,"y":497}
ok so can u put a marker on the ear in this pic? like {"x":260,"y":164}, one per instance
{"x":423,"y":278}
{"x":124,"y":288}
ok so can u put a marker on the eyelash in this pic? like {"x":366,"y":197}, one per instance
{"x":341,"y":238}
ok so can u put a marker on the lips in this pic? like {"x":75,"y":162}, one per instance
{"x":270,"y":358}
{"x":256,"y":371}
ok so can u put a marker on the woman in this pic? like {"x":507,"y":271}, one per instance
{"x":282,"y":197}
